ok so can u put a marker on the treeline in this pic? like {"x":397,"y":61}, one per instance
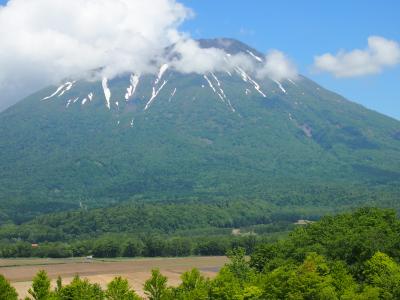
{"x":290,"y":197}
{"x":146,"y":246}
{"x":349,"y":256}
{"x":149,"y":218}
{"x":148,"y":229}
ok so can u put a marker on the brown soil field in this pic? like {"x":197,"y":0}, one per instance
{"x":21,"y":271}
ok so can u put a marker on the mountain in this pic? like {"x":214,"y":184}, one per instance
{"x":174,"y":136}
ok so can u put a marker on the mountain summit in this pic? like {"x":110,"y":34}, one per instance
{"x":190,"y":136}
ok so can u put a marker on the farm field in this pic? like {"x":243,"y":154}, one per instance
{"x":21,"y":271}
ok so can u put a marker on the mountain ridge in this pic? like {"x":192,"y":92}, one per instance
{"x":177,"y":136}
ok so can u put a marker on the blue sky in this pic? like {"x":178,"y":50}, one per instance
{"x":304,"y":29}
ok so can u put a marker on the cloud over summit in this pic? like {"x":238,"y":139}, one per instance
{"x":53,"y":39}
{"x":44,"y":41}
{"x":277,"y":66}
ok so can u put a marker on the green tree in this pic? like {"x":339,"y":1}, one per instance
{"x":226,"y":286}
{"x":384,"y":273}
{"x":342,"y":281}
{"x":132,"y":248}
{"x":58,"y":284}
{"x":40,"y":286}
{"x":178,"y":247}
{"x":7,"y":292}
{"x":191,"y":280}
{"x":80,"y":289}
{"x":368,"y":293}
{"x":237,"y":280}
{"x":156,"y":287}
{"x":154,"y":246}
{"x":118,"y":289}
{"x":252,"y":293}
{"x":193,"y":286}
{"x":106,"y":248}
{"x":310,"y":280}
{"x":238,"y":264}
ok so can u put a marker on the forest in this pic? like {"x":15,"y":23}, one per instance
{"x":348,"y":256}
{"x":148,"y":229}
{"x":179,"y":227}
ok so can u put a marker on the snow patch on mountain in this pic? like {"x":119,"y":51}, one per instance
{"x":280,"y":86}
{"x":209,"y":83}
{"x":161,"y":72}
{"x":254,"y":56}
{"x":61,"y":90}
{"x":68,"y":86}
{"x":216,"y":79}
{"x":130,"y":91}
{"x":172,"y":95}
{"x":107,"y":92}
{"x":68,"y":103}
{"x":154,"y":94}
{"x":247,"y":78}
{"x":221,"y":94}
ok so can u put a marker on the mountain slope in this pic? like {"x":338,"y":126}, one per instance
{"x":176,"y":136}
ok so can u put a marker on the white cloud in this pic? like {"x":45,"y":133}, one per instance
{"x":193,"y":59}
{"x":277,"y":66}
{"x":45,"y":41}
{"x":379,"y":54}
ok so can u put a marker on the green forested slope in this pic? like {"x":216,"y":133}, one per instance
{"x":193,"y":146}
